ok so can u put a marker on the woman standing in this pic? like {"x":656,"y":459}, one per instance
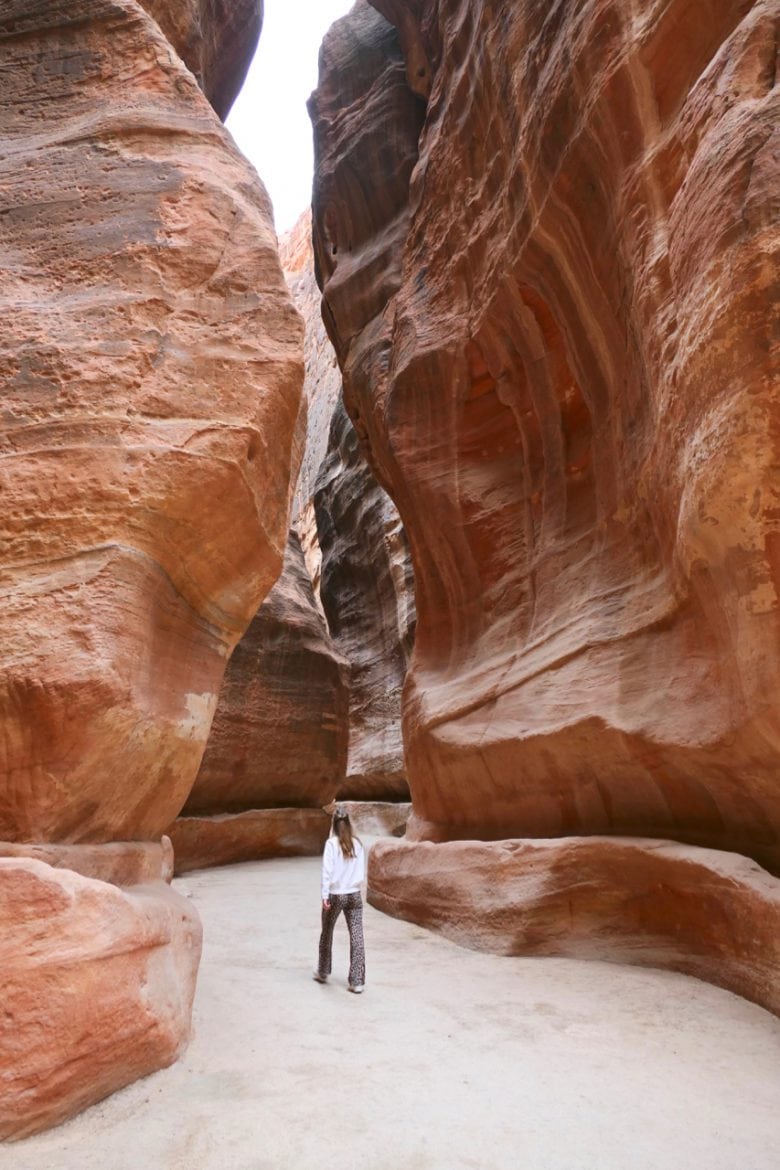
{"x":343,"y":869}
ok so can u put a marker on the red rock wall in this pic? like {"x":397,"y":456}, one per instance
{"x":150,"y":372}
{"x":216,"y":39}
{"x":310,"y":708}
{"x":279,"y":736}
{"x":151,"y":367}
{"x":356,"y":551}
{"x":367,"y":592}
{"x":549,"y":289}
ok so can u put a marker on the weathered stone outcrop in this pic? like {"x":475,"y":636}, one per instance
{"x":367,"y":592}
{"x":706,"y":913}
{"x":549,"y":291}
{"x":216,"y":39}
{"x":355,"y":549}
{"x":228,"y":838}
{"x":98,"y":985}
{"x":151,"y":372}
{"x":151,"y":366}
{"x":279,"y":735}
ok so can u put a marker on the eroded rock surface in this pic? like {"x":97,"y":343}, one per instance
{"x":151,"y":364}
{"x":98,"y":986}
{"x":549,"y":289}
{"x":151,"y":371}
{"x":706,"y":913}
{"x":279,"y":735}
{"x":225,"y":839}
{"x":367,"y":592}
{"x":216,"y":39}
{"x":356,"y":551}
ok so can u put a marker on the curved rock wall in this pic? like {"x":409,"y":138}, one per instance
{"x":356,"y":550}
{"x":216,"y":40}
{"x":367,"y":593}
{"x":279,"y":736}
{"x":549,"y":287}
{"x":151,"y":363}
{"x":151,"y":370}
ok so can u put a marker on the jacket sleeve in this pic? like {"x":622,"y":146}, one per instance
{"x":327,"y":868}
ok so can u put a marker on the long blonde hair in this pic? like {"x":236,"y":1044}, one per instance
{"x":342,"y":828}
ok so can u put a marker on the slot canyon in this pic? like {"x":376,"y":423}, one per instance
{"x":457,"y":503}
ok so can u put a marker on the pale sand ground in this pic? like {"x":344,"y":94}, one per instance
{"x":449,"y":1060}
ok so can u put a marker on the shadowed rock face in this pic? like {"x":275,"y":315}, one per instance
{"x":549,"y":292}
{"x":311,"y":703}
{"x":367,"y":593}
{"x":711,"y":914}
{"x":279,"y":735}
{"x":151,"y":366}
{"x":356,"y":551}
{"x":216,"y":39}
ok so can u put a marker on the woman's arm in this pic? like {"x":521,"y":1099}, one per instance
{"x":327,"y":871}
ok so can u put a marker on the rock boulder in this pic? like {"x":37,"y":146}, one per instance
{"x":98,"y":985}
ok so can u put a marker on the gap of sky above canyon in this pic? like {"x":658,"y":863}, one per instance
{"x":269,"y":120}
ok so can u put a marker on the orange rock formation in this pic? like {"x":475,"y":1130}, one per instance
{"x":549,"y":290}
{"x":310,"y":707}
{"x":151,"y":362}
{"x":279,"y":736}
{"x":711,"y":914}
{"x":98,"y":985}
{"x":151,"y":369}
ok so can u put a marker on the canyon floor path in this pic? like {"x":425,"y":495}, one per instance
{"x":450,"y":1059}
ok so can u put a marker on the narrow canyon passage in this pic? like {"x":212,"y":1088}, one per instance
{"x":450,"y":1059}
{"x":458,"y":497}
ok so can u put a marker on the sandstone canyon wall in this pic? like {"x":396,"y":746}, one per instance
{"x":278,"y":745}
{"x":546,"y":235}
{"x":151,"y":366}
{"x":310,"y":709}
{"x":367,"y":592}
{"x":547,"y":268}
{"x":356,"y":550}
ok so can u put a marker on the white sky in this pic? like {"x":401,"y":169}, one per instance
{"x":269,"y":119}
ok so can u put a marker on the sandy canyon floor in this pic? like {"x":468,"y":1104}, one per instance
{"x":449,"y":1060}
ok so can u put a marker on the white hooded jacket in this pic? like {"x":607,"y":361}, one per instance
{"x":340,"y":874}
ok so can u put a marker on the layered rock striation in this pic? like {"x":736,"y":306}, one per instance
{"x":151,"y":368}
{"x":367,"y":592}
{"x":279,"y":736}
{"x":310,"y":708}
{"x":151,"y":363}
{"x":546,"y":239}
{"x":707,"y":913}
{"x":356,"y":551}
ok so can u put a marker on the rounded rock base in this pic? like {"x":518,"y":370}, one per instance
{"x":710,"y":914}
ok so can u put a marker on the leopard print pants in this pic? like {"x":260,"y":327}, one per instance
{"x":352,"y":905}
